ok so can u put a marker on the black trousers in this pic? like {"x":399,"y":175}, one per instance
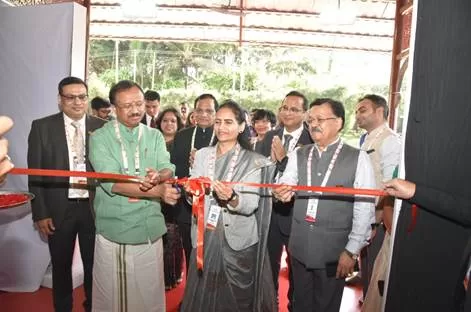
{"x":185,"y":232}
{"x":314,"y":290}
{"x":78,"y":221}
{"x":275,"y":242}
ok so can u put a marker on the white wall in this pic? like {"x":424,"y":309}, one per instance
{"x":39,"y":45}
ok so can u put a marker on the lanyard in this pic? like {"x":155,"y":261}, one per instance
{"x":194,"y":136}
{"x":212,"y":162}
{"x":311,"y":212}
{"x":329,"y":169}
{"x":124,"y":154}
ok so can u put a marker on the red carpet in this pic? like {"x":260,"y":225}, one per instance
{"x":41,"y":300}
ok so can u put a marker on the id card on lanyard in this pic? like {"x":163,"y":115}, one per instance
{"x":215,"y":210}
{"x":313,"y":203}
{"x":124,"y":155}
{"x":80,"y":167}
{"x":213,"y":217}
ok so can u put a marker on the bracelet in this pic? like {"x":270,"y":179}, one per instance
{"x":351,"y":255}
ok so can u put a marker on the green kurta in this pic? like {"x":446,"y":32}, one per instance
{"x":118,"y":219}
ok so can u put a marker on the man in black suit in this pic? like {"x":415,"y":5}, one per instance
{"x":62,"y":207}
{"x":277,"y":144}
{"x":185,"y":144}
{"x":152,"y":99}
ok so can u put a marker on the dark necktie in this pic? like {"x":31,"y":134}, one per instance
{"x":362,"y":138}
{"x":288,"y":138}
{"x":152,"y":123}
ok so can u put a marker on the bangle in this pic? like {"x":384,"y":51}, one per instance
{"x":233,"y":195}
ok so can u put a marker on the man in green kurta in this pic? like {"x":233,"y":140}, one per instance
{"x":128,"y":273}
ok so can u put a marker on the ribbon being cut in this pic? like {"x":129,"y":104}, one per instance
{"x":199,"y":187}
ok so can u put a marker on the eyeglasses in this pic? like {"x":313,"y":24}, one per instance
{"x":71,"y":98}
{"x":204,"y":111}
{"x":128,"y":106}
{"x":319,"y":121}
{"x":293,"y":110}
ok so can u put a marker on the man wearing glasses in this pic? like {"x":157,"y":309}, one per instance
{"x":328,"y":231}
{"x":62,"y":208}
{"x":185,"y":144}
{"x":278,"y":144}
{"x":128,"y":267}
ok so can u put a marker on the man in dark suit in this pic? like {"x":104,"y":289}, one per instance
{"x":185,"y":144}
{"x":277,"y":144}
{"x":62,"y":207}
{"x":431,"y":242}
{"x":152,"y":99}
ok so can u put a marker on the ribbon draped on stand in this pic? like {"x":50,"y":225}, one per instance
{"x":198,"y":188}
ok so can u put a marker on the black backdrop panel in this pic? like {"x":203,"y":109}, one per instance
{"x":427,"y":262}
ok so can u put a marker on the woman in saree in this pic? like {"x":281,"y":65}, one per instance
{"x":236,"y":275}
{"x":169,"y":122}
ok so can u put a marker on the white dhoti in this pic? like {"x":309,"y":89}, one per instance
{"x":128,"y":277}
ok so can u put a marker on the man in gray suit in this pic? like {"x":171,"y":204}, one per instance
{"x":328,"y":231}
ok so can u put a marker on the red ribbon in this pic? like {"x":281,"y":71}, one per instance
{"x":414,"y":212}
{"x":68,"y":174}
{"x":198,"y":187}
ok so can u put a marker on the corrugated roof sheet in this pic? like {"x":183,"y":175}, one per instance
{"x":276,"y":22}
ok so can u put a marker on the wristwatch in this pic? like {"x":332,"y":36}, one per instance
{"x":351,"y":255}
{"x":234,"y":195}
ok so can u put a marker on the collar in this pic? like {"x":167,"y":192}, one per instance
{"x":378,"y":129}
{"x":68,"y":121}
{"x":328,"y":147}
{"x":295,"y":133}
{"x":204,"y":130}
{"x":128,"y":133}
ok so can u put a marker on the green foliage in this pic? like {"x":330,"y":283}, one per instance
{"x":255,"y":76}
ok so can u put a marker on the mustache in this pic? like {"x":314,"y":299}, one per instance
{"x":316,"y":129}
{"x":134,"y":115}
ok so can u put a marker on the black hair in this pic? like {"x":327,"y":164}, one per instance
{"x":188,"y":119}
{"x":298,"y":94}
{"x":260,"y":114}
{"x":205,"y":96}
{"x":169,"y":110}
{"x":151,"y":95}
{"x":121,"y":86}
{"x":239,"y":114}
{"x":99,"y":102}
{"x":69,"y":81}
{"x":378,"y":101}
{"x":336,"y":106}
